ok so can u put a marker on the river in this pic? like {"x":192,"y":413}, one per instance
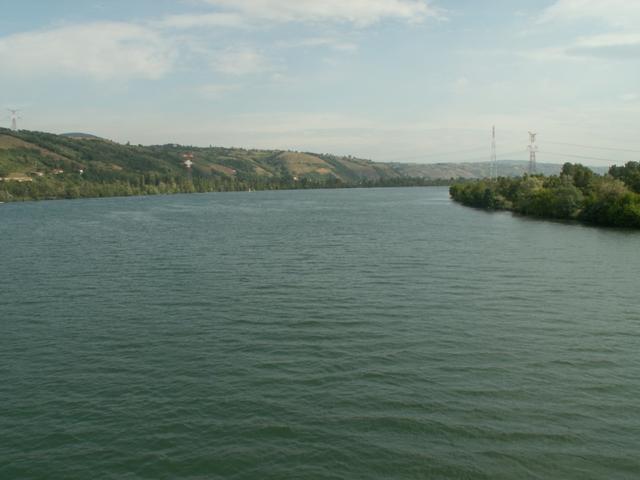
{"x":325,"y":334}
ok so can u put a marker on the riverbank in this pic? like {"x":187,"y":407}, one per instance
{"x":576,"y":194}
{"x":74,"y":186}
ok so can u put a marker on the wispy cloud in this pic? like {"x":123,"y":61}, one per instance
{"x":333,"y":42}
{"x":617,"y":20}
{"x":619,"y":13}
{"x":358,"y":12}
{"x":610,"y":46}
{"x":190,"y":20}
{"x":151,"y":49}
{"x":101,"y":50}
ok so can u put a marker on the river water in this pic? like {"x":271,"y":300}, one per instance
{"x":331,"y":334}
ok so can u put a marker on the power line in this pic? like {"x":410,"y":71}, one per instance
{"x":482,"y":149}
{"x":578,"y":156}
{"x":471,"y":160}
{"x":514,"y":152}
{"x":532,"y":150}
{"x":437,"y":154}
{"x":594,"y":147}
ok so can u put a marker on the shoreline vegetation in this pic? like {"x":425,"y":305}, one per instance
{"x":578,"y":193}
{"x":73,"y":186}
{"x":46,"y":166}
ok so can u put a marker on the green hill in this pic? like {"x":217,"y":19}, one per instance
{"x":34,"y":153}
{"x":79,"y":164}
{"x":27,"y":152}
{"x":80,"y":135}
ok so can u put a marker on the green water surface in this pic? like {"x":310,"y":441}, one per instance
{"x":346,"y":334}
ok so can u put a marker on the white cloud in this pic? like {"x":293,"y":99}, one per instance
{"x":617,"y":20}
{"x":359,"y":12}
{"x":609,"y":40}
{"x":612,"y":45}
{"x":102,"y":50}
{"x":240,"y":61}
{"x":187,"y":20}
{"x":618,"y":13}
{"x":609,"y":46}
{"x":333,"y":42}
{"x":123,"y":50}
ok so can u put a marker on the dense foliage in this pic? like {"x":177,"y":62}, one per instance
{"x":75,"y":186}
{"x":577,"y":193}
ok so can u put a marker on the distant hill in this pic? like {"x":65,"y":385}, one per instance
{"x":29,"y":152}
{"x":80,"y":135}
{"x":506,"y":168}
{"x":38,"y":153}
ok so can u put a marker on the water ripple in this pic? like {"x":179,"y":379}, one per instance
{"x":314,"y":334}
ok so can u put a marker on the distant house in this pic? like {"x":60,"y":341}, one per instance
{"x":18,"y":177}
{"x":57,"y":171}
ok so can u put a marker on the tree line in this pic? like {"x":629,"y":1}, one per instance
{"x":88,"y":185}
{"x":576,"y":194}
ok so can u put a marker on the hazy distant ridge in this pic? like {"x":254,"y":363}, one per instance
{"x":26,"y":152}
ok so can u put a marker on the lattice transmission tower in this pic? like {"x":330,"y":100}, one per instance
{"x":14,"y":119}
{"x":533,"y":149}
{"x":493,"y":164}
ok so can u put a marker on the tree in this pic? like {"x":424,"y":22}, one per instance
{"x":629,"y":174}
{"x":580,"y":174}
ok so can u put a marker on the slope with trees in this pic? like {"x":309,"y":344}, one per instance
{"x":38,"y":165}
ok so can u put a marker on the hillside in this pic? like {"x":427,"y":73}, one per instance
{"x":37,"y":165}
{"x":27,"y":153}
{"x":80,"y":135}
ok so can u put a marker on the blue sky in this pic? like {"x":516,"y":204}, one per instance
{"x":402,"y":80}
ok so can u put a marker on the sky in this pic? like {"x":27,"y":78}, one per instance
{"x":391,"y":80}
